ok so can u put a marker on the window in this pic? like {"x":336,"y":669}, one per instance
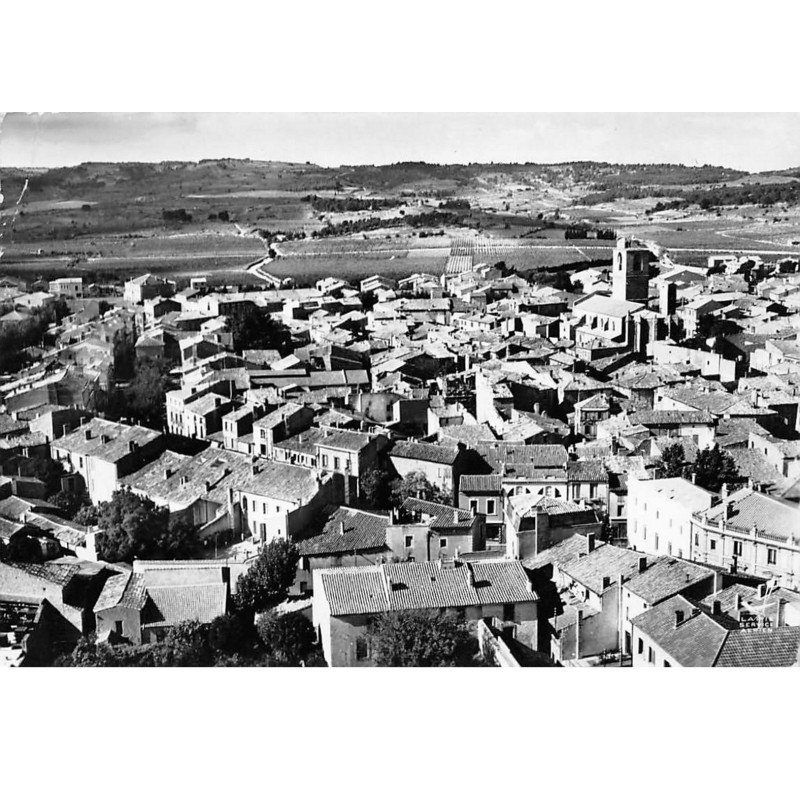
{"x":697,"y":540}
{"x":443,"y":544}
{"x":490,"y":506}
{"x":772,"y":555}
{"x":409,"y":541}
{"x":666,"y":663}
{"x":336,"y":462}
{"x":640,"y":646}
{"x":737,"y":548}
{"x":263,"y":528}
{"x":263,"y":433}
{"x":712,"y":544}
{"x":669,"y":548}
{"x":118,"y":627}
{"x":473,"y":506}
{"x":508,"y":612}
{"x":362,"y":651}
{"x":324,"y":461}
{"x":651,"y":656}
{"x":263,"y":508}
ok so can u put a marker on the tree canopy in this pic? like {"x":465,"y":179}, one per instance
{"x":376,"y":488}
{"x":287,"y":638}
{"x":416,"y":484}
{"x":425,"y":638}
{"x":268,"y":580}
{"x":673,"y":461}
{"x":713,"y":467}
{"x":135,"y":527}
{"x":255,"y":329}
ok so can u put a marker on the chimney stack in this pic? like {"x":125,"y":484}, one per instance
{"x":724,"y":491}
{"x":167,"y":473}
{"x":642,"y":563}
{"x":87,"y":434}
{"x":341,"y":528}
{"x":737,"y":601}
{"x":590,"y":542}
{"x":606,"y":582}
{"x":455,"y":516}
{"x":678,"y":617}
{"x":716,"y":608}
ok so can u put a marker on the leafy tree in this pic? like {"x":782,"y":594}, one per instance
{"x":673,"y":461}
{"x":87,"y":515}
{"x":185,"y":645}
{"x":46,"y":470}
{"x":255,"y":329}
{"x":22,"y":549}
{"x":88,"y":653}
{"x":713,"y":467}
{"x":69,"y":502}
{"x":133,"y":527}
{"x":180,"y":537}
{"x":368,"y":300}
{"x":376,"y":488}
{"x":268,"y":580}
{"x":145,"y":397}
{"x":288,"y":638}
{"x":231,"y":634}
{"x":420,"y":638}
{"x":415,"y":484}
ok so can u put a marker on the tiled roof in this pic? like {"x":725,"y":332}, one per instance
{"x":603,"y":562}
{"x":715,"y":402}
{"x":340,"y":439}
{"x":760,"y":647}
{"x":442,"y":516}
{"x":671,"y":417}
{"x":348,"y":529}
{"x":419,"y":585}
{"x":664,"y":577}
{"x":695,"y":642}
{"x":602,"y":304}
{"x":125,"y":589}
{"x":480,"y":483}
{"x":423,"y":451}
{"x":60,"y":574}
{"x":109,"y":440}
{"x":174,"y":604}
{"x":355,"y":590}
{"x":590,"y":470}
{"x":537,"y":455}
{"x":748,"y":509}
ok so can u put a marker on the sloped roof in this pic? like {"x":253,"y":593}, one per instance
{"x":664,"y":577}
{"x":423,"y":585}
{"x":695,"y":642}
{"x":172,"y":605}
{"x":423,"y":451}
{"x":760,"y":647}
{"x":347,"y":530}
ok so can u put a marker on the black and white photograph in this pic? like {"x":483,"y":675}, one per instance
{"x":413,"y":414}
{"x":335,"y":349}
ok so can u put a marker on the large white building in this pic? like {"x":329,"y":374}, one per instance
{"x":660,"y":515}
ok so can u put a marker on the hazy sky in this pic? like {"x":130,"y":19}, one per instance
{"x":753,"y":141}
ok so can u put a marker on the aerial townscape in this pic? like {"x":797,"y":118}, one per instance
{"x":508,"y":415}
